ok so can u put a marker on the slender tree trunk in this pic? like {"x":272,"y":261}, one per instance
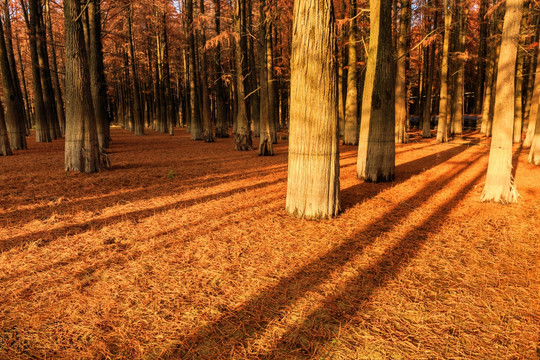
{"x":500,"y":185}
{"x":376,"y":148}
{"x":196,"y":121}
{"x":442,"y":129}
{"x":242,"y":138}
{"x":313,"y":176}
{"x":266,"y":147}
{"x":27,"y":108}
{"x":401,"y":85}
{"x":221,"y":111}
{"x":482,"y":58}
{"x":459,"y":91}
{"x":97,"y":76}
{"x":426,"y":117}
{"x":208,"y":135}
{"x":518,"y":92}
{"x":271,"y":80}
{"x":14,"y":104}
{"x":81,"y":150}
{"x":137,"y":119}
{"x":54,"y":72}
{"x":535,"y":107}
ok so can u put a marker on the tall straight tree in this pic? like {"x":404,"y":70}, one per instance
{"x":376,"y":146}
{"x":242,"y":137}
{"x":442,"y":126}
{"x":401,"y":85}
{"x":350,"y":134}
{"x":313,"y":176}
{"x":137,"y":115}
{"x":499,"y":185}
{"x":206,"y":112}
{"x":81,"y":151}
{"x":12,"y":99}
{"x":196,"y":122}
{"x":97,"y":75}
{"x":266,"y":147}
{"x":5,"y":149}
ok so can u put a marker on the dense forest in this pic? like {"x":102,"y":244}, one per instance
{"x":161,"y":158}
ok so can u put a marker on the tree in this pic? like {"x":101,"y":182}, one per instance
{"x":350,"y":133}
{"x":442,"y":128}
{"x":5,"y":149}
{"x":313,"y":176}
{"x":376,"y":146}
{"x":206,"y":120}
{"x":266,"y":147}
{"x":500,"y":185}
{"x":401,"y":85}
{"x":81,"y":152}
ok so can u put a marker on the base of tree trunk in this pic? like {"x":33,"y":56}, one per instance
{"x":243,"y":142}
{"x":266,"y":148}
{"x":222,"y":135}
{"x":209,"y":138}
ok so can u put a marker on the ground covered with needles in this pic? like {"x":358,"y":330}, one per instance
{"x":183,"y":250}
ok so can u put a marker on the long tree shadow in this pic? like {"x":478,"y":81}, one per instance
{"x":135,"y":216}
{"x":356,"y":194}
{"x":235,"y":328}
{"x":357,"y":291}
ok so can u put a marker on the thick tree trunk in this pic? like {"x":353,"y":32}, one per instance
{"x":518,"y":94}
{"x":499,"y":185}
{"x":313,"y":176}
{"x":401,"y":85}
{"x":442,"y":128}
{"x":82,"y":148}
{"x":376,"y":148}
{"x":242,"y":138}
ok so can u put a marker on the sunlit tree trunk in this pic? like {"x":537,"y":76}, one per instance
{"x":313,"y":176}
{"x":534,"y":153}
{"x":376,"y":147}
{"x":535,"y":106}
{"x":401,"y":86}
{"x":442,"y":128}
{"x":518,"y":91}
{"x":499,"y":185}
{"x":350,"y":134}
{"x":81,"y":149}
{"x":482,"y":57}
{"x":459,"y":90}
{"x":426,"y":117}
{"x":266,"y":147}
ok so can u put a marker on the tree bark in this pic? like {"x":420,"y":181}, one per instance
{"x":5,"y":149}
{"x":221,"y":110}
{"x":208,"y":135}
{"x":535,"y":106}
{"x":442,"y":128}
{"x":313,"y":176}
{"x":82,"y":148}
{"x":376,"y":148}
{"x":500,"y":185}
{"x":137,"y":119}
{"x":401,"y":85}
{"x":266,"y":147}
{"x":350,"y":133}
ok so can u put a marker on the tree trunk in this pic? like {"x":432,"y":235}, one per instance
{"x":271,"y":81}
{"x":426,"y":117}
{"x":196,"y":121}
{"x":242,"y":138}
{"x":350,"y":133}
{"x":81,"y":150}
{"x":14,"y":120}
{"x":54,"y":72}
{"x":500,"y":185}
{"x":206,"y":114}
{"x":401,"y":85}
{"x":137,"y":119}
{"x":518,"y":92}
{"x":266,"y":147}
{"x":535,"y":106}
{"x":97,"y":76}
{"x":442,"y":129}
{"x":482,"y":57}
{"x":376,"y":148}
{"x":313,"y":176}
{"x":5,"y":149}
{"x":459,"y":91}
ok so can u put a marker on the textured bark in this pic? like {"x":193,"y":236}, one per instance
{"x":313,"y":176}
{"x":14,"y":120}
{"x":29,"y":117}
{"x":482,"y":57}
{"x":97,"y":76}
{"x":518,"y":93}
{"x":401,"y":85}
{"x":81,"y":151}
{"x":500,"y":185}
{"x":350,"y":133}
{"x":272,"y":88}
{"x":376,"y":147}
{"x":534,"y":153}
{"x":426,"y":116}
{"x":442,"y":128}
{"x":242,"y":138}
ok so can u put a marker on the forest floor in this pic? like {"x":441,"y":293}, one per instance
{"x":183,"y":250}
